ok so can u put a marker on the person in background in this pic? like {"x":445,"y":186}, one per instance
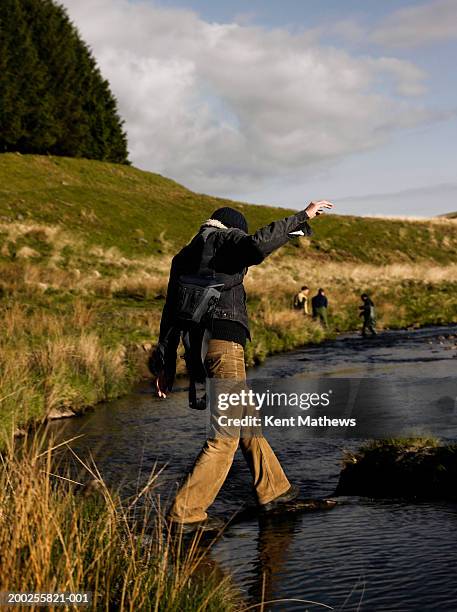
{"x":319,"y":305}
{"x":367,"y":311}
{"x":301,"y":300}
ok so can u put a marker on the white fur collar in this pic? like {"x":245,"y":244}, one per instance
{"x":214,"y":223}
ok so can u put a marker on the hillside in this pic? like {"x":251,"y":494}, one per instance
{"x":137,"y":212}
{"x":85,"y":249}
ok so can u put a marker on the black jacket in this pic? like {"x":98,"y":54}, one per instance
{"x":319,"y":301}
{"x":233,"y":252}
{"x":367,"y":310}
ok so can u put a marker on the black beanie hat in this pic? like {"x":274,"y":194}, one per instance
{"x":231,"y":218}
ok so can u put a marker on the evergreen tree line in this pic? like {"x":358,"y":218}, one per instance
{"x":53,"y":98}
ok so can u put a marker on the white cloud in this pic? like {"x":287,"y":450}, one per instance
{"x":409,"y":79}
{"x":220,"y":107}
{"x":416,"y":25}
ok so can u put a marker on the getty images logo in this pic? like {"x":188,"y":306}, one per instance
{"x":250,"y":398}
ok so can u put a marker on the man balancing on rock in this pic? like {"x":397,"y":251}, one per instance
{"x":206,"y":306}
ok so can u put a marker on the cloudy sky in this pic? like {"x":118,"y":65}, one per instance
{"x":283,"y":102}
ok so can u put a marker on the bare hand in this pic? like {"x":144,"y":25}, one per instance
{"x":161,"y":385}
{"x":316,"y":208}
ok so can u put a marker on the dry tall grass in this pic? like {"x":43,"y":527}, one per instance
{"x":285,"y":275}
{"x":46,"y":257}
{"x":70,"y":313}
{"x":50,"y":362}
{"x":58,"y":536}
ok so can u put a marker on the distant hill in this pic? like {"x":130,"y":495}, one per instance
{"x":451,"y":215}
{"x":136,"y":211}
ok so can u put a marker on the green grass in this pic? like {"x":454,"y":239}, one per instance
{"x":139,"y":212}
{"x":85,"y":248}
{"x":399,"y":445}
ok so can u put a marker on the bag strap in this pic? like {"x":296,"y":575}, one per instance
{"x":209,"y":234}
{"x":195,"y":402}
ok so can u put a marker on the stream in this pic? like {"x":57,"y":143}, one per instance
{"x":368,"y":555}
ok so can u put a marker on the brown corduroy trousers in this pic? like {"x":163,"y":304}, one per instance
{"x":225,"y":359}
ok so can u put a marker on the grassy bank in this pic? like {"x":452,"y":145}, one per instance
{"x":56,"y":535}
{"x":418,"y":468}
{"x":85,"y":249}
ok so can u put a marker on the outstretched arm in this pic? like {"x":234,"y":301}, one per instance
{"x":248,"y":250}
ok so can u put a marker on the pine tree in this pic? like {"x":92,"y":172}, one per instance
{"x":53,"y":98}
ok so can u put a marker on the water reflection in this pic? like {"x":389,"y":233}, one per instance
{"x":362,"y":555}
